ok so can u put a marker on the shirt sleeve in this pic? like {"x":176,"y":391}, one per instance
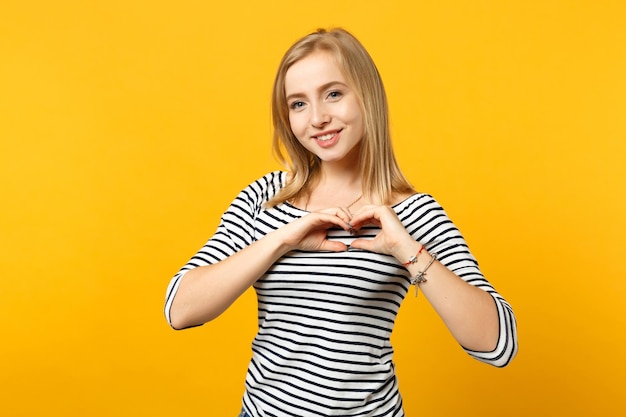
{"x":234,"y":232}
{"x":429,"y":224}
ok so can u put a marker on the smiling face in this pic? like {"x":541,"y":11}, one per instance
{"x":324,"y":112}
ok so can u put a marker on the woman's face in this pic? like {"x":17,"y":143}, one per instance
{"x":324,"y":112}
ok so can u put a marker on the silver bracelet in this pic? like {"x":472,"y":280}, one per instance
{"x":421,"y":275}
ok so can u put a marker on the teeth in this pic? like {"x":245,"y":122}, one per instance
{"x":324,"y":138}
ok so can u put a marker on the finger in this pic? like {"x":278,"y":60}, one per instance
{"x":346,"y":213}
{"x":333,"y":246}
{"x":329,"y":220}
{"x":364,"y":214}
{"x":364,"y":244}
{"x":373,"y":215}
{"x":364,"y":219}
{"x":340,"y":212}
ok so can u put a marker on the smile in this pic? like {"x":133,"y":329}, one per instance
{"x":327,"y":140}
{"x":326,"y":137}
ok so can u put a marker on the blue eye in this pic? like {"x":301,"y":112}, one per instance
{"x":296,"y":105}
{"x":334,"y":95}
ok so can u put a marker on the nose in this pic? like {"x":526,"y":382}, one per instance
{"x":319,"y":115}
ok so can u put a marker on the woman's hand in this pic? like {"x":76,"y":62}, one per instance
{"x":310,"y":232}
{"x":207,"y":291}
{"x":393,"y":238}
{"x":468,"y":311}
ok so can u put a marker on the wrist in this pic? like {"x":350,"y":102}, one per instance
{"x":279,"y":242}
{"x":409,"y":251}
{"x":415,"y":258}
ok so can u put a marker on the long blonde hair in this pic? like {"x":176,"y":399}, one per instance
{"x":380,"y":173}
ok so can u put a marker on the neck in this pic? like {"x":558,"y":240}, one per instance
{"x":334,"y":187}
{"x":339,"y":177}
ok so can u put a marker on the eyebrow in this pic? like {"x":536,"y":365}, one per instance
{"x":321,"y":88}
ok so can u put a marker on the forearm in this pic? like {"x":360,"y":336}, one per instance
{"x":207,"y":291}
{"x":478,"y":318}
{"x":469,"y":312}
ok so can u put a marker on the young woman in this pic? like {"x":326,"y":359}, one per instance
{"x":332,"y":246}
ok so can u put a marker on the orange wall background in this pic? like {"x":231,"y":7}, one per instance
{"x":126,"y":127}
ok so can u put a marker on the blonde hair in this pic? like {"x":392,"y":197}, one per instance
{"x":380,"y":173}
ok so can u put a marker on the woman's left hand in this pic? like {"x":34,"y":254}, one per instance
{"x":468,"y":311}
{"x":393,"y":238}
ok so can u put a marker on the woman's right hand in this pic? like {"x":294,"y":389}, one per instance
{"x":204,"y":293}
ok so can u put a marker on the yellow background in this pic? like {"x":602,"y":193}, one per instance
{"x":127,"y":126}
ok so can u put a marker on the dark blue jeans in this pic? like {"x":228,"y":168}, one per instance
{"x":243,"y":413}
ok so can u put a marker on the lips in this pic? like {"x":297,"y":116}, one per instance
{"x":327,"y":139}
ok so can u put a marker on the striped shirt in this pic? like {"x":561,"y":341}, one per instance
{"x":325,"y":318}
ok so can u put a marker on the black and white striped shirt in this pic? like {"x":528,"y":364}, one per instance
{"x":325,"y":318}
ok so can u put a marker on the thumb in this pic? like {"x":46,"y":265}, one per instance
{"x":332,"y":246}
{"x":364,"y":244}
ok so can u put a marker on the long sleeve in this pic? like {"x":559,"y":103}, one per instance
{"x":236,"y":230}
{"x":428,"y":223}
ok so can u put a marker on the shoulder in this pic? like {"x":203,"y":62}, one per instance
{"x":264,"y":188}
{"x":426,"y":219}
{"x":420,"y":207}
{"x":414,"y":201}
